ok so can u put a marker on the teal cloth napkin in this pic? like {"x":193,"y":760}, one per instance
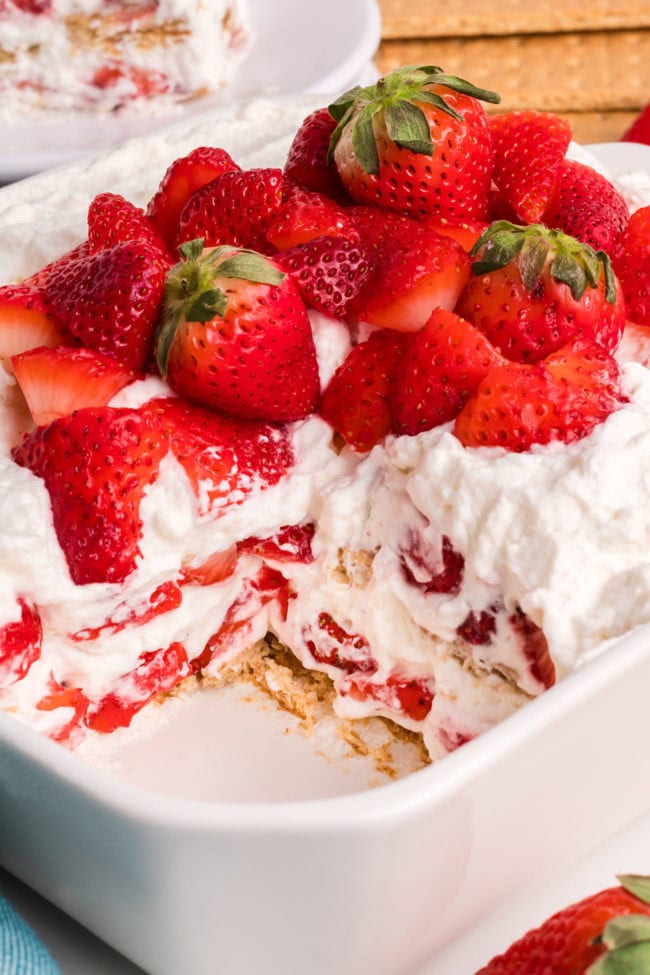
{"x":21,"y":953}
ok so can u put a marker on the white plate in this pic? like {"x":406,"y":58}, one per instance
{"x":298,"y":47}
{"x":242,"y":850}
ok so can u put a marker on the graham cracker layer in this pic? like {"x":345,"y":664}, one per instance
{"x":455,"y":18}
{"x":571,"y":72}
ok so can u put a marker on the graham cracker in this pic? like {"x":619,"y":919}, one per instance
{"x":475,"y":18}
{"x":599,"y":126}
{"x":587,"y":72}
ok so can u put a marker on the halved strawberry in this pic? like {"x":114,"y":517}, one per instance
{"x":96,"y":464}
{"x":305,"y":215}
{"x":441,"y":367}
{"x":113,"y":220}
{"x":307,"y":162}
{"x":55,"y":382}
{"x":236,"y":208}
{"x":410,"y":696}
{"x":355,"y":402}
{"x":528,"y":150}
{"x":631,"y":260}
{"x":20,"y":643}
{"x":562,"y":398}
{"x":39,"y":278}
{"x":585,"y":205}
{"x":216,"y":568}
{"x":183,"y":178}
{"x":27,"y":320}
{"x":329,"y":273}
{"x":110,"y":300}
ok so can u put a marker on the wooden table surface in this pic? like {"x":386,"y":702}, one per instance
{"x":589,"y":62}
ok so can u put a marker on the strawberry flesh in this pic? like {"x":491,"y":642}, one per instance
{"x":20,"y":644}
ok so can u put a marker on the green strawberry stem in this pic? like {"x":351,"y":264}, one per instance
{"x":398,"y":96}
{"x":532,"y":248}
{"x":627,"y":937}
{"x":191,"y":294}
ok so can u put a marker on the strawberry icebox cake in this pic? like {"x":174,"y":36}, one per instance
{"x":375,"y":397}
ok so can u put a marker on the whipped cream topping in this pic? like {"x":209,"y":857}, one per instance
{"x":561,"y":533}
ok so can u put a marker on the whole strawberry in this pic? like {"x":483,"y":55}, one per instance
{"x":532,"y":290}
{"x":607,"y":933}
{"x":631,"y":260}
{"x":236,"y":337}
{"x":416,"y":142}
{"x":96,"y":464}
{"x":586,"y":206}
{"x":110,"y":300}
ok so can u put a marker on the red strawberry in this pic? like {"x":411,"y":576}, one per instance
{"x":412,"y":277}
{"x":528,"y":150}
{"x":465,"y":233}
{"x":611,"y":925}
{"x":236,"y":336}
{"x":216,"y":568}
{"x":441,"y":367}
{"x":70,"y":699}
{"x":562,"y":398}
{"x":165,"y":598}
{"x":411,"y":697}
{"x":113,"y":220}
{"x":329,"y":643}
{"x":39,"y":278}
{"x":440,"y":572}
{"x":56,"y":382}
{"x":27,"y":320}
{"x":416,"y":142}
{"x":639,"y":130}
{"x":631,"y":260}
{"x":96,"y":465}
{"x":20,"y":644}
{"x":533,"y":290}
{"x":183,"y":178}
{"x":289,"y":544}
{"x":156,"y":672}
{"x":586,"y":206}
{"x":110,"y":300}
{"x":535,"y":647}
{"x":223,"y":458}
{"x":305,"y":215}
{"x":329,"y":273}
{"x":307,"y":162}
{"x":355,"y":402}
{"x":236,"y":208}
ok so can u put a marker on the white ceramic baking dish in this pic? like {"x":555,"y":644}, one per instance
{"x":370,"y":882}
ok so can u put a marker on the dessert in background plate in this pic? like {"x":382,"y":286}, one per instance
{"x":90,"y":55}
{"x":443,"y":517}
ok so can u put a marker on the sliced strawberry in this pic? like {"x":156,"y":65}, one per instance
{"x":631,"y":260}
{"x":305,"y":215}
{"x":165,"y":598}
{"x":236,"y":208}
{"x":20,"y":644}
{"x":479,"y":628}
{"x":329,"y":273}
{"x":330,"y":643}
{"x":441,"y":367}
{"x":110,"y":301}
{"x":39,"y":278}
{"x":528,"y":150}
{"x":55,"y":382}
{"x":156,"y":672}
{"x":535,"y":647}
{"x":183,"y":178}
{"x":466,"y":233}
{"x":289,"y":544}
{"x":410,"y":697}
{"x":267,"y":586}
{"x":355,"y":402}
{"x":70,"y":699}
{"x":27,"y":320}
{"x":411,"y":279}
{"x":562,"y":398}
{"x":218,"y":567}
{"x":307,"y":162}
{"x":585,"y":205}
{"x":225,"y":459}
{"x":96,"y":465}
{"x":429,"y":573}
{"x":114,"y":220}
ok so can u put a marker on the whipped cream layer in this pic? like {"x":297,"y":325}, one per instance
{"x":85,"y":54}
{"x":560,"y":533}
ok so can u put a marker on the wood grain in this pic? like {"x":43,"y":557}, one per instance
{"x":454,"y":18}
{"x":579,"y":72}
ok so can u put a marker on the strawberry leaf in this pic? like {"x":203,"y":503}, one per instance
{"x":432,"y":98}
{"x":565,"y":268}
{"x":249,"y":266}
{"x":363,"y":142}
{"x":632,"y":959}
{"x":406,"y":125}
{"x":637,"y":885}
{"x":192,"y":249}
{"x":206,"y":306}
{"x":610,"y":280}
{"x":626,"y":930}
{"x":532,"y":259}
